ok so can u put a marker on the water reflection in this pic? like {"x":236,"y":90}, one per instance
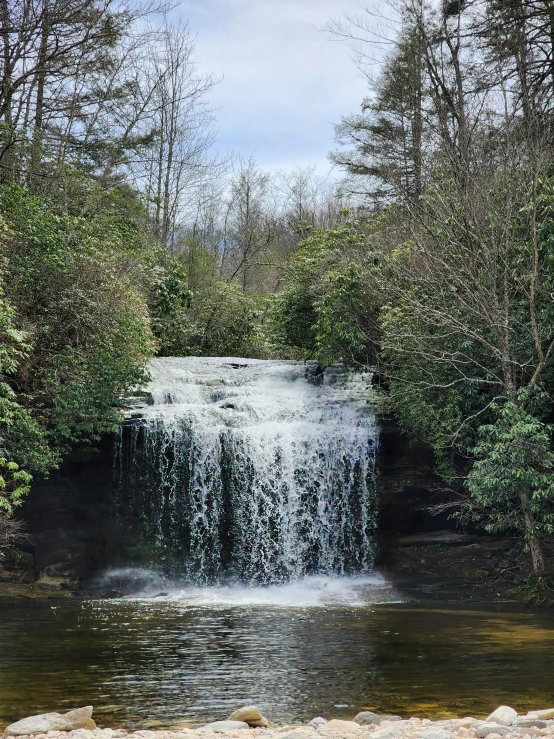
{"x":170,"y":662}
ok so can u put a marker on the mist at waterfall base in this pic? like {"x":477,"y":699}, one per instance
{"x":253,"y":472}
{"x":308,"y":591}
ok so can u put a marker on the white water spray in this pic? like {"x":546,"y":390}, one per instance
{"x":244,"y":469}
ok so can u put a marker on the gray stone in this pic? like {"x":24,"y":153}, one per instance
{"x":367,"y":718}
{"x":435,"y":733}
{"x":318,"y":721}
{"x":221,"y":727}
{"x":503,"y":715}
{"x":391,"y":718}
{"x":523,"y":721}
{"x":78,"y":718}
{"x":389,"y":732}
{"x":527,"y":730}
{"x":250,"y":715}
{"x":337,"y":724}
{"x":81,"y":734}
{"x":488,"y":727}
{"x":544,"y":714}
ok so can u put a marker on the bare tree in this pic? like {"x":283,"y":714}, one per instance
{"x":45,"y":43}
{"x":184,"y":134}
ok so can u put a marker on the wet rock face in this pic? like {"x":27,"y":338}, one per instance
{"x":72,"y":523}
{"x":313,"y":372}
{"x":406,"y":484}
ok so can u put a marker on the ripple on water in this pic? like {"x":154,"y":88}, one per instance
{"x":184,"y":658}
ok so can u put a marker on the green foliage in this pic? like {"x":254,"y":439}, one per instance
{"x":213,"y":319}
{"x":513,"y":474}
{"x":326,"y":309}
{"x":22,"y":441}
{"x":77,"y":290}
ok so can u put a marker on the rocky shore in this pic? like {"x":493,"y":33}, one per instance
{"x":248,"y":723}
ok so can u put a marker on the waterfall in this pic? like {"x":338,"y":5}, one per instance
{"x":252,"y":469}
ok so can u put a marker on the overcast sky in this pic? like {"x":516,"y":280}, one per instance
{"x":285,"y":83}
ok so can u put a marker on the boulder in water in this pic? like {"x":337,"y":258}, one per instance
{"x":250,"y":715}
{"x":313,"y":372}
{"x":78,"y":718}
{"x":504,"y":715}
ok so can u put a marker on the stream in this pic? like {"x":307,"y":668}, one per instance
{"x":197,"y":654}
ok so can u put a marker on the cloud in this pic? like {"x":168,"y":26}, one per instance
{"x":285,"y":83}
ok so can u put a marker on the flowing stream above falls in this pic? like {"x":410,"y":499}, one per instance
{"x":261,"y":471}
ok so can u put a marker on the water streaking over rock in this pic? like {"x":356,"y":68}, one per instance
{"x":245,"y":469}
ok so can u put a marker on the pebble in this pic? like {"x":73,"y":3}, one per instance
{"x":432,"y":733}
{"x":223,"y":727}
{"x":366,"y":725}
{"x":337,"y":724}
{"x":488,"y":727}
{"x":388,"y":732}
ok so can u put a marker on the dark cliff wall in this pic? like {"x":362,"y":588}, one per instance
{"x":72,"y":519}
{"x":76,"y":527}
{"x":406,"y":483}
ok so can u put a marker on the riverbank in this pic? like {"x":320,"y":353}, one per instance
{"x":503,"y":722}
{"x":491,"y":566}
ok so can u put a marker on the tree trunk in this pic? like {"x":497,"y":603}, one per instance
{"x":535,"y":547}
{"x":417,"y":127}
{"x":8,"y":137}
{"x":36,"y":147}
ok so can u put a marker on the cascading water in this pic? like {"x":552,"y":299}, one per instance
{"x":245,"y":469}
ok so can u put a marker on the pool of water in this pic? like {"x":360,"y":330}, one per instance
{"x":322,"y":647}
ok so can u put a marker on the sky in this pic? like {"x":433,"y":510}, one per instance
{"x":284,"y":84}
